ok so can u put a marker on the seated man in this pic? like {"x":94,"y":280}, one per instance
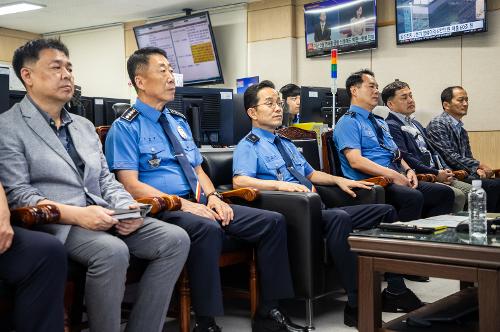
{"x":35,"y":264}
{"x":447,"y":134}
{"x":48,"y":155}
{"x":152,"y":151}
{"x":290,"y":94}
{"x":366,"y":149}
{"x":411,"y":139}
{"x":266,"y":161}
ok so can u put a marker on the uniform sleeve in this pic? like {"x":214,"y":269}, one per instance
{"x":245,"y":160}
{"x":122,"y":147}
{"x":347,"y":134}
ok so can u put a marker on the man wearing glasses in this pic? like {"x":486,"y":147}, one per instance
{"x":152,"y":152}
{"x":267,"y":161}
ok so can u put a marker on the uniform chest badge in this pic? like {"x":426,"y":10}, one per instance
{"x":181,"y":132}
{"x":154,"y":161}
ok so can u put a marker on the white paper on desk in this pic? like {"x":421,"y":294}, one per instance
{"x":447,"y":220}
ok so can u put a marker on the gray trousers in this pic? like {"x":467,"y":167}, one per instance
{"x":166,"y":248}
{"x":461,"y":191}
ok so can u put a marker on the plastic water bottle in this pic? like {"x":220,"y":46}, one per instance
{"x":477,"y":211}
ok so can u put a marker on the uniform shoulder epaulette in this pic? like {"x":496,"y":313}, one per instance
{"x":252,"y":138}
{"x":350,"y":113}
{"x":378,"y":117}
{"x":130,"y":114}
{"x":173,"y":112}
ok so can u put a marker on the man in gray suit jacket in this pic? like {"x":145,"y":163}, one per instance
{"x":50,"y":156}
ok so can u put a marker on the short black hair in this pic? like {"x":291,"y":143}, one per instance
{"x":356,"y":79}
{"x":447,"y":94}
{"x":290,"y":90}
{"x":250,"y":98}
{"x":390,"y":90}
{"x":30,"y":52}
{"x":140,"y":60}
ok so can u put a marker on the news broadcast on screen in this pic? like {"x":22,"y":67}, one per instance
{"x":345,"y":25}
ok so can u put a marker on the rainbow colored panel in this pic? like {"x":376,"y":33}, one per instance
{"x":334,"y":64}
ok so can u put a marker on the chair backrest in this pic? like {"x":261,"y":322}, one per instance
{"x":331,"y":158}
{"x":306,"y":141}
{"x":102,"y":131}
{"x":218,"y":164}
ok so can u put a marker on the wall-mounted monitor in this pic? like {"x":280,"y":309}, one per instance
{"x":190,"y":46}
{"x":419,"y":20}
{"x":347,"y":25}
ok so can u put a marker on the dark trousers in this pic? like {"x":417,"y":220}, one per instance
{"x":428,"y":199}
{"x":338,"y":223}
{"x":265,"y":229}
{"x":492,"y":188}
{"x":35,"y":265}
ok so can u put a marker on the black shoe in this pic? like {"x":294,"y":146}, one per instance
{"x":404,"y":302}
{"x":275,"y":321}
{"x":350,"y":316}
{"x":416,"y":278}
{"x":212,"y":328}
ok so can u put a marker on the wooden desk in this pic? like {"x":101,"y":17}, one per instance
{"x":448,"y":255}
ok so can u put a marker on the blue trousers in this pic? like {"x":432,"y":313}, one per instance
{"x":338,"y":223}
{"x":264,"y":229}
{"x":35,"y":265}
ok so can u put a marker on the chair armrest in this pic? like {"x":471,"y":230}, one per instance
{"x":162,"y":203}
{"x":460,"y":175}
{"x":379,"y":181}
{"x":35,"y":215}
{"x":426,"y":177}
{"x":333,"y":196}
{"x":247,"y":194}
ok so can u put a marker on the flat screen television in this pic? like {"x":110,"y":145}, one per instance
{"x":190,"y":46}
{"x":346,"y":25}
{"x":419,"y":20}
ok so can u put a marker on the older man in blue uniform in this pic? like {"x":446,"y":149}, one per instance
{"x":270,"y":162}
{"x":366,"y":148}
{"x":152,"y":151}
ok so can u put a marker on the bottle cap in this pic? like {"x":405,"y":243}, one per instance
{"x":476,"y":184}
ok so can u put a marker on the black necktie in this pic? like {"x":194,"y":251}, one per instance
{"x":183,"y":161}
{"x":289,"y":165}
{"x":378,"y":129}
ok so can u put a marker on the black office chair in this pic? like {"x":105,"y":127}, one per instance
{"x":312,"y":273}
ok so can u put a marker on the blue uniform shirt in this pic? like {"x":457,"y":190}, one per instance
{"x":355,"y":131}
{"x":141,"y":145}
{"x":262,"y":160}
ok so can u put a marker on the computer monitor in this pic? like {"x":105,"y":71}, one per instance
{"x":316,"y":104}
{"x":4,"y":89}
{"x":103,"y":110}
{"x":15,"y":96}
{"x":210,"y":114}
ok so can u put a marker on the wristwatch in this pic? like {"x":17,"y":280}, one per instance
{"x":409,"y":169}
{"x":216,"y":194}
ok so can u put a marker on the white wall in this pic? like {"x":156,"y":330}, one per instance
{"x":98,"y":58}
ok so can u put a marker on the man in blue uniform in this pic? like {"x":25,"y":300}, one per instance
{"x":151,"y":149}
{"x":266,"y":161}
{"x":366,"y":148}
{"x":411,"y":139}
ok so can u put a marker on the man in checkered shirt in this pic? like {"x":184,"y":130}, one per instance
{"x":448,"y":135}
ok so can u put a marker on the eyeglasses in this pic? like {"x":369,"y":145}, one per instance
{"x":272,"y":104}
